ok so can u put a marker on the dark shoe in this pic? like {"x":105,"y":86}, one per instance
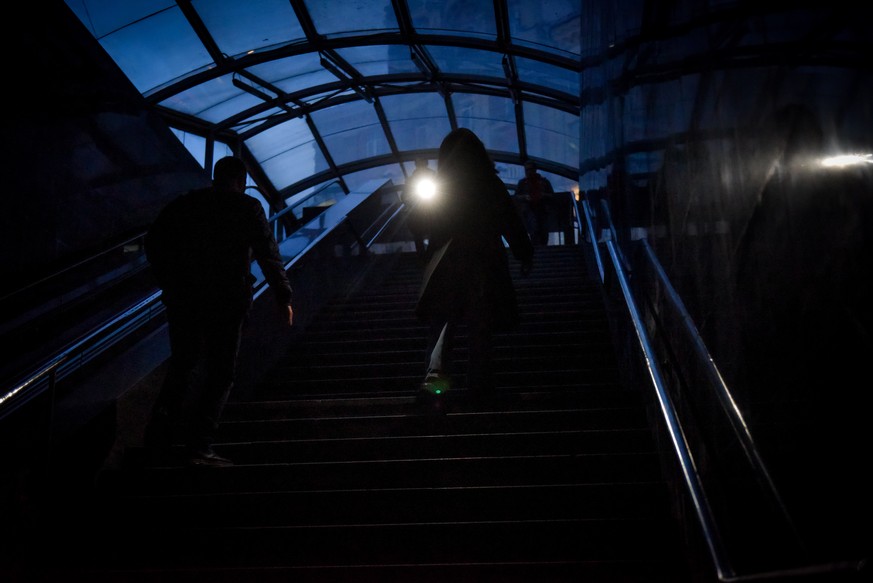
{"x":207,"y":457}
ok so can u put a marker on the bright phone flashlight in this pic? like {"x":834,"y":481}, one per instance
{"x":425,"y":189}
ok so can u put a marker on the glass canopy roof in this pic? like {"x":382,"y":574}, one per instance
{"x":346,"y":91}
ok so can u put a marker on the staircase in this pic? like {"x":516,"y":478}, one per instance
{"x":340,"y":477}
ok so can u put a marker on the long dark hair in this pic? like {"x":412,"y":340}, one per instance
{"x":463,"y":157}
{"x":469,"y":185}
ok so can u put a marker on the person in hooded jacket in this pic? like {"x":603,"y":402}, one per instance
{"x":467,"y":277}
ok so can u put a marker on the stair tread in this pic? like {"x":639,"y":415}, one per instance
{"x":339,"y":475}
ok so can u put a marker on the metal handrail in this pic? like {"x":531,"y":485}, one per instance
{"x":392,"y":213}
{"x":71,"y":267}
{"x":77,"y":354}
{"x":711,"y":532}
{"x":690,"y":475}
{"x":312,"y":194}
{"x":732,"y":410}
{"x":592,"y":234}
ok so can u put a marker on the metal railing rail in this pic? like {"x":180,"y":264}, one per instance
{"x":392,"y":213}
{"x":274,"y":219}
{"x":73,"y":266}
{"x":691,"y":478}
{"x":80,"y":353}
{"x":592,"y":234}
{"x":729,"y":405}
{"x":690,"y":475}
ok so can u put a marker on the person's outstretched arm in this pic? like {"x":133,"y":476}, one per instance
{"x":266,"y":252}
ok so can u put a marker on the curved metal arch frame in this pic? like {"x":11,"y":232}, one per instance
{"x":351,"y":85}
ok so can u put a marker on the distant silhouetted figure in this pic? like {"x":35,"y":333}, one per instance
{"x":200,"y":248}
{"x":535,"y":191}
{"x":467,"y":277}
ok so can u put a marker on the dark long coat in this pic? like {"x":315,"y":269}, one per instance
{"x":468,"y":266}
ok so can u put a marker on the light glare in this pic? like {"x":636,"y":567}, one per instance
{"x":425,"y":189}
{"x":845,"y":160}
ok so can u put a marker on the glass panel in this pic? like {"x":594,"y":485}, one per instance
{"x":598,"y":140}
{"x":103,"y":17}
{"x":294,"y":165}
{"x":363,"y":181}
{"x":418,"y":121}
{"x":560,"y":183}
{"x":288,"y":153}
{"x":409,"y":165}
{"x":464,"y":17}
{"x":512,"y":173}
{"x":278,"y":139}
{"x":249,"y":124}
{"x":214,"y":100}
{"x":552,"y":134}
{"x":491,"y":118}
{"x":643,"y":164}
{"x":326,"y":191}
{"x":219,"y":151}
{"x":240,"y":27}
{"x":546,"y":24}
{"x":509,"y":173}
{"x":253,"y":191}
{"x":154,"y":45}
{"x":157,"y":50}
{"x":194,"y":144}
{"x":530,"y":71}
{"x":379,"y":59}
{"x":351,"y":131}
{"x":294,"y":73}
{"x":457,"y":60}
{"x":652,"y":112}
{"x":351,"y":17}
